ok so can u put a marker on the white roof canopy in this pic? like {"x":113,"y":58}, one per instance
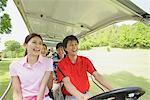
{"x":55,"y":19}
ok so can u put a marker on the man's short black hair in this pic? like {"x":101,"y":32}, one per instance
{"x":60,"y":44}
{"x":69,"y":38}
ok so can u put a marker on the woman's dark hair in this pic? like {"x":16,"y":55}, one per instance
{"x":60,"y":44}
{"x":29,"y":37}
{"x":69,"y":38}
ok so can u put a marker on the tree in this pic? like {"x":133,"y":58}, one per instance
{"x":3,"y":4}
{"x":14,"y":47}
{"x":5,"y":25}
{"x":5,"y":21}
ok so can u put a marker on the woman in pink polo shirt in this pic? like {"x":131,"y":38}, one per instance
{"x":30,"y":74}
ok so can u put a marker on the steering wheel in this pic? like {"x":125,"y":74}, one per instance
{"x":132,"y":93}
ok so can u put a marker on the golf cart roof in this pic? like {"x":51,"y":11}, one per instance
{"x":55,"y":19}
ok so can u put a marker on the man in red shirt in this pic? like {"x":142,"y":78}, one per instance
{"x":72,"y":71}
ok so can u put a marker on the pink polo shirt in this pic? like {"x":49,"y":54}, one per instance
{"x":31,"y":77}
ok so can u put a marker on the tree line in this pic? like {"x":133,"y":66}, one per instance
{"x":125,"y":36}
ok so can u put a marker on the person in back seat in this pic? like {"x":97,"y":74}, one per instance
{"x":44,"y":53}
{"x":72,"y":71}
{"x":58,"y":56}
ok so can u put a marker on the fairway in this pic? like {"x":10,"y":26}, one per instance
{"x":122,"y":67}
{"x":135,"y":61}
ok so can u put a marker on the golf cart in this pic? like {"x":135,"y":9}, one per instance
{"x":55,"y":19}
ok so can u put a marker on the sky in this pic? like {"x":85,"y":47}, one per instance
{"x":144,"y":4}
{"x":19,"y":30}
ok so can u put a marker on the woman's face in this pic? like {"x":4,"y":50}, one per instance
{"x":34,"y":46}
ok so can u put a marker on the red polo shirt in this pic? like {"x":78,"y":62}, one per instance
{"x":76,"y":72}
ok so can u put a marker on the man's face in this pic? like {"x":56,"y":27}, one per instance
{"x":72,"y":47}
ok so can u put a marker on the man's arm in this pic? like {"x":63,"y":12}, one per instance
{"x":102,"y":81}
{"x":72,"y":89}
{"x":17,"y":95}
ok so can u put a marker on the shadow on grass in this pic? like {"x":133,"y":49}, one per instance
{"x":125,"y":79}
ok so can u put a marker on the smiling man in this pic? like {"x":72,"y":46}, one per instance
{"x":72,"y":71}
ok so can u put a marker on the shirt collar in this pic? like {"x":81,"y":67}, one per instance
{"x":24,"y":60}
{"x":69,"y":60}
{"x":40,"y":59}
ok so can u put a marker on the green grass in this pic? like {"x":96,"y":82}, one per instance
{"x":118,"y":80}
{"x":4,"y":76}
{"x":125,"y":79}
